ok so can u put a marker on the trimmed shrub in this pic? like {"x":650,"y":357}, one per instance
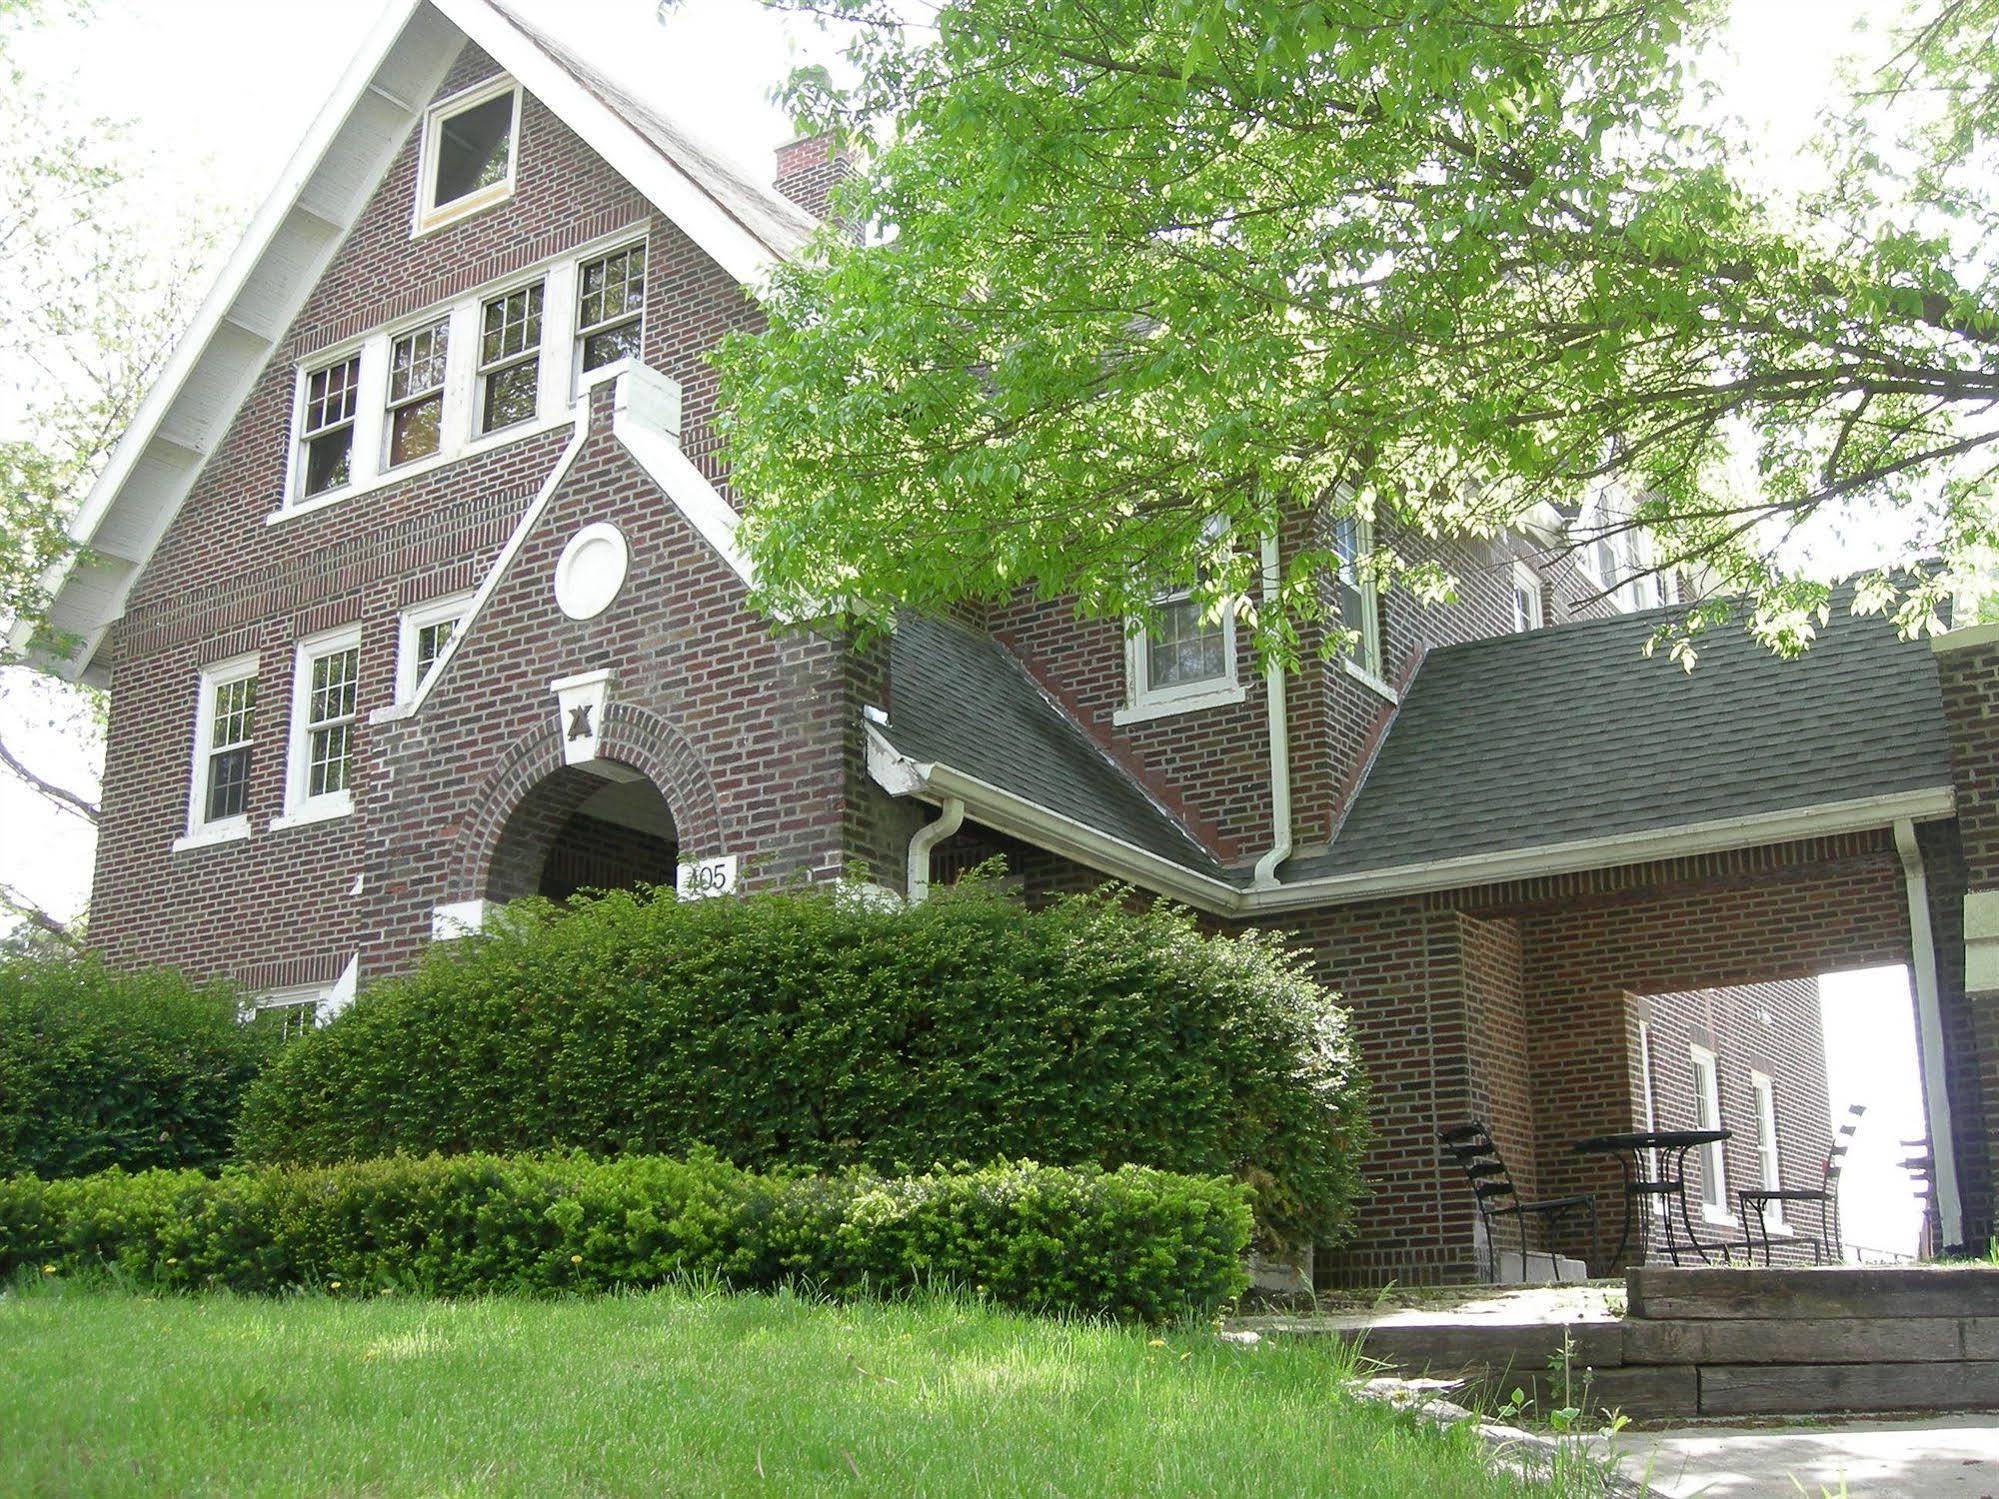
{"x":1130,"y":1243}
{"x":802,"y":1029}
{"x":100,"y":1068}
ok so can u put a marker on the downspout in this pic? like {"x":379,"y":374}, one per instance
{"x":1280,"y":739}
{"x":950,"y":817}
{"x":1929,"y":1027}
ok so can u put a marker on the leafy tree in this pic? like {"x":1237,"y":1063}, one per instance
{"x":1148,"y":279}
{"x":89,"y":305}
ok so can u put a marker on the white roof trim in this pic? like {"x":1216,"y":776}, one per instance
{"x":318,"y":197}
{"x":646,"y":419}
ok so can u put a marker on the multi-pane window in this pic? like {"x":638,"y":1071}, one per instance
{"x":1183,"y":649}
{"x":329,"y":720}
{"x":468,"y":153}
{"x":416,"y":392}
{"x":1527,"y":605}
{"x":509,"y":358}
{"x":610,"y":308}
{"x":1360,"y":608}
{"x":1707,"y":1115}
{"x":426,"y":631}
{"x":326,"y":435}
{"x":232,"y":729}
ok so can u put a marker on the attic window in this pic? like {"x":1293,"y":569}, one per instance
{"x":468,"y":153}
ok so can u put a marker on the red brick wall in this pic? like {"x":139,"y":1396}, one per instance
{"x":758,"y":730}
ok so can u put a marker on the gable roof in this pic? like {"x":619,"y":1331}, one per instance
{"x":746,"y":227}
{"x":959,"y":698}
{"x":1572,"y":734}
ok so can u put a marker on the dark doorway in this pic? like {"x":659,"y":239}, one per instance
{"x":602,"y":828}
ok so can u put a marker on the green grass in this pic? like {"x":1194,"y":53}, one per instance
{"x":676,"y":1392}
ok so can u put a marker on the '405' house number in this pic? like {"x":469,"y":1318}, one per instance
{"x":701,"y":878}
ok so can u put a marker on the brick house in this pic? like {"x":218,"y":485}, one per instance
{"x":416,"y":589}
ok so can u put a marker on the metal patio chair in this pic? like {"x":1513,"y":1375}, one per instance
{"x":1826,"y":1248}
{"x":1472,"y":1146}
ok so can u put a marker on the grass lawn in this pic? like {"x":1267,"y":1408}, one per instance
{"x":675,"y":1392}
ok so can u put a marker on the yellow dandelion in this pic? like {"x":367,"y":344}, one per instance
{"x":1157,"y":1343}
{"x":48,"y":1269}
{"x":1187,"y":1355}
{"x":172,"y":1261}
{"x":334,"y":1284}
{"x":576,"y":1259}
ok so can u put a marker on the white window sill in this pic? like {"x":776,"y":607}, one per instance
{"x":404,"y":472}
{"x":1719,"y":1217}
{"x":458,"y":210}
{"x":232,"y":831}
{"x":323,"y":809}
{"x":1369,"y":680}
{"x":1218,"y":697}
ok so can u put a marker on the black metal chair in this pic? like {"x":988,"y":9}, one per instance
{"x":1827,"y":1248}
{"x":1492,"y":1185}
{"x":1922,"y":1168}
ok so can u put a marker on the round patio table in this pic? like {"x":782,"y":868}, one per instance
{"x":1630,"y":1148}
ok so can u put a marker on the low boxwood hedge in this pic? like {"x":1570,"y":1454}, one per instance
{"x":802,"y":1029}
{"x":104,"y":1068}
{"x":1128,"y":1243}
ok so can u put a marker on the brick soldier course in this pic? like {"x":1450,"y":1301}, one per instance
{"x":1502,"y":922}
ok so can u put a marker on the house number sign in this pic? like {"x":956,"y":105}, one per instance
{"x":700,"y":878}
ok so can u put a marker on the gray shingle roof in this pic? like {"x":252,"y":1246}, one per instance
{"x":1572,"y":733}
{"x":959,"y":698}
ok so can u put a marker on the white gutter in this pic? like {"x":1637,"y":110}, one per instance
{"x":1278,"y":713}
{"x":927,"y":837}
{"x":901,"y":776}
{"x":1929,"y":1026}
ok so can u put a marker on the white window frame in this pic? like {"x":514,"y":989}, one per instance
{"x":299,"y":806}
{"x":362,"y":428}
{"x":1769,"y":1159}
{"x":1144,"y":701}
{"x":452,"y":609}
{"x":1371,"y":669}
{"x":426,"y":219}
{"x":581,"y":379}
{"x":1714,"y":1158}
{"x":1528,"y":582}
{"x":200,"y":831}
{"x":392,"y":337}
{"x":304,"y":1004}
{"x":556,"y":399}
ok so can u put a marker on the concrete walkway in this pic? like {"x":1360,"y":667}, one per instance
{"x":1950,"y":1457}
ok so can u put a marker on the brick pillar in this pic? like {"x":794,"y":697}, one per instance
{"x":1964,"y":871}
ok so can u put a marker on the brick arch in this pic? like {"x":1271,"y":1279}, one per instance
{"x":633,"y":737}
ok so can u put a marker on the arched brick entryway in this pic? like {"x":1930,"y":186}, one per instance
{"x":531,"y":790}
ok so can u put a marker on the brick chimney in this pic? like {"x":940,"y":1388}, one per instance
{"x":809,"y":168}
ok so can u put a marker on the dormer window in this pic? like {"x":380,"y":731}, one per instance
{"x":469,"y":153}
{"x":326,"y":433}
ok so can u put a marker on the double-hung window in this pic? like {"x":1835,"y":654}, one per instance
{"x":325,"y":708}
{"x":610,"y":308}
{"x":1360,"y":602}
{"x":469,"y":151}
{"x":426,"y":631}
{"x":326,"y":426}
{"x":225,"y":733}
{"x":1182,"y":656}
{"x":510,"y":358}
{"x":1769,"y":1168}
{"x":416,"y":392}
{"x":1527,"y":605}
{"x":1707,"y":1115}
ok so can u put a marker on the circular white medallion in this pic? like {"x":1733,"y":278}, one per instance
{"x":591,"y":570}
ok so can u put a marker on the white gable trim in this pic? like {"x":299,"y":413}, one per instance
{"x":646,"y":420}
{"x":329,"y":180}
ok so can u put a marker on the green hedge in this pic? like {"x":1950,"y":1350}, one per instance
{"x":1130,"y":1243}
{"x":802,"y":1029}
{"x":100,"y":1068}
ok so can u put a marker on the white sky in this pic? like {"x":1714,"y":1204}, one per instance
{"x":222,"y":90}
